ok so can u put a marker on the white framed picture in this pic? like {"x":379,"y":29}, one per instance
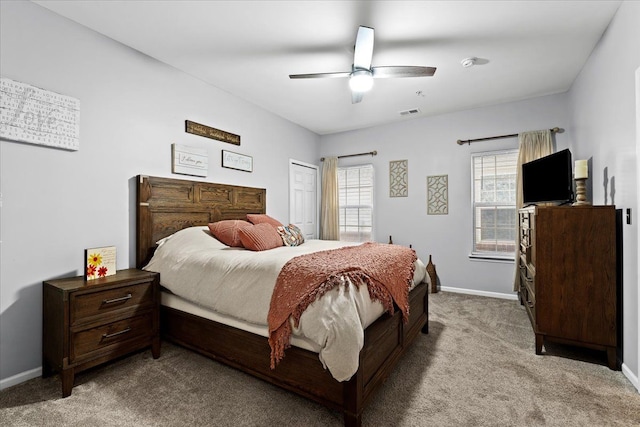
{"x":237,"y":161}
{"x":189,"y":160}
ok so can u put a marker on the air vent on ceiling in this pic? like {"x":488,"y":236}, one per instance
{"x":409,"y":112}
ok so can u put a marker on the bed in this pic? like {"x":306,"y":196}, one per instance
{"x":166,"y":206}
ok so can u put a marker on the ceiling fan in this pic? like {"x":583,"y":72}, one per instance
{"x":362,"y":73}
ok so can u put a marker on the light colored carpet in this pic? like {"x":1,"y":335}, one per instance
{"x":477,"y":367}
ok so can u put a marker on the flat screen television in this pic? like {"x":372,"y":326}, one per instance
{"x":548,"y":179}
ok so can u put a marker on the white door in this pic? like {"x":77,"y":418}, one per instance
{"x":303,"y":198}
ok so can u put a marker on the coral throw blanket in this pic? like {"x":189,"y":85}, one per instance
{"x":387,"y":270}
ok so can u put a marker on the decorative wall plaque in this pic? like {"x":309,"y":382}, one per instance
{"x":189,"y":160}
{"x":37,"y":116}
{"x":398,"y":178}
{"x":437,"y":195}
{"x":237,"y":161}
{"x":209,"y":132}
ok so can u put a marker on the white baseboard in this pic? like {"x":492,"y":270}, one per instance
{"x":631,"y":377}
{"x":513,"y":296}
{"x":20,"y":378}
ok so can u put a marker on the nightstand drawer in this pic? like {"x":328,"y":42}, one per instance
{"x":110,"y":337}
{"x":89,"y":306}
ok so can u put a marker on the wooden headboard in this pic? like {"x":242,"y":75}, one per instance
{"x":166,"y":205}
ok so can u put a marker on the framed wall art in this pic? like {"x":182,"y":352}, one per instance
{"x":438,"y":195}
{"x":209,"y":132}
{"x":237,"y":161}
{"x":38,"y":116}
{"x":189,"y":160}
{"x":398,"y":178}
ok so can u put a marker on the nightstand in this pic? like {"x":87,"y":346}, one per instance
{"x":87,"y":323}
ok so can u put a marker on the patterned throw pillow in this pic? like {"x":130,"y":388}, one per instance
{"x":291,"y":235}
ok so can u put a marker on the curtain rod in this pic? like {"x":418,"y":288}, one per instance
{"x":370,"y":153}
{"x":469,"y":141}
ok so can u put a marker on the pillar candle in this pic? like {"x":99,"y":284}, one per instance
{"x":581,"y":170}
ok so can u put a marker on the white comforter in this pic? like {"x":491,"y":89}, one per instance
{"x":238,"y":283}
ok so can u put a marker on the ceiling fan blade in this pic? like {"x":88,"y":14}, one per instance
{"x":356,"y":97}
{"x":400,"y":71}
{"x":363,"y":51}
{"x":319,"y":75}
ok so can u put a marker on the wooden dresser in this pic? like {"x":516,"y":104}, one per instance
{"x":86,"y":323}
{"x":568,"y":275}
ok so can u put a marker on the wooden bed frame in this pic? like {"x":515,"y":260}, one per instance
{"x":166,"y":205}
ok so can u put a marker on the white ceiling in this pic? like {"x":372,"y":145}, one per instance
{"x":249,"y":48}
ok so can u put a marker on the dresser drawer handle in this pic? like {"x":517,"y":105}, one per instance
{"x":124,"y":331}
{"x":111,"y":301}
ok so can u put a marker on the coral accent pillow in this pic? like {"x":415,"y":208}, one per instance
{"x":262,"y":218}
{"x":291,"y":235}
{"x":227,"y":231}
{"x":260,"y":237}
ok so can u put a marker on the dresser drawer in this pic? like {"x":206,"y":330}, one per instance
{"x":92,"y":306}
{"x":110,"y":337}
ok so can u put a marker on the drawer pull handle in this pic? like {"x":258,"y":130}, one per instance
{"x":111,"y":301}
{"x":115,"y":334}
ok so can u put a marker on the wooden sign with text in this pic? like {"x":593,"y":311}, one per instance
{"x":209,"y":132}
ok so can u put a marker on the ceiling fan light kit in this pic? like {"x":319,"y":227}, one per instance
{"x":361,"y":81}
{"x":362,"y":73}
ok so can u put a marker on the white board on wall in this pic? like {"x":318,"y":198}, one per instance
{"x":189,"y":160}
{"x":37,"y":116}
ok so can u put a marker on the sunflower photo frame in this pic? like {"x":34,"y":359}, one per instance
{"x":99,"y":262}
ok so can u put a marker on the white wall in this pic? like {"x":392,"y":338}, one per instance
{"x":604,"y":126}
{"x":56,"y":203}
{"x":430,"y":146}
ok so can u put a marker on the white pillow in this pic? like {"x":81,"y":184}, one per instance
{"x":192,"y":234}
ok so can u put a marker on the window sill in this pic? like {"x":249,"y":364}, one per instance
{"x":507,"y":259}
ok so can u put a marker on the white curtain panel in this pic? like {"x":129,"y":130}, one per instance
{"x":330,"y":202}
{"x":532,"y":145}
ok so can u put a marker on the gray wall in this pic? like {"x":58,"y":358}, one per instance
{"x":601,"y":124}
{"x":56,"y":203}
{"x":430,"y":146}
{"x":604,"y":126}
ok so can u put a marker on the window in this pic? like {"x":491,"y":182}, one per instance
{"x":494,"y":203}
{"x":355,"y":184}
